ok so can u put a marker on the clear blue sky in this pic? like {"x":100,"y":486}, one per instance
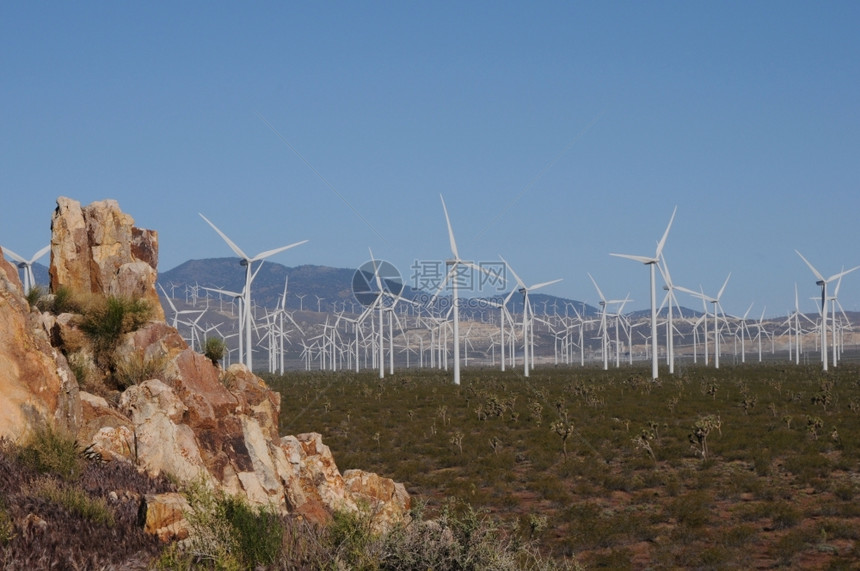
{"x":557,"y":131}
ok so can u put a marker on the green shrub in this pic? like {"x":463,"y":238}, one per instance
{"x":214,"y":348}
{"x":65,"y":301}
{"x":259,"y":531}
{"x":35,"y":297}
{"x":75,"y":501}
{"x":137,"y":368}
{"x":105,"y":319}
{"x":7,"y":526}
{"x":50,"y":451}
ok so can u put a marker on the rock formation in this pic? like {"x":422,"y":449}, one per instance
{"x":98,"y":249}
{"x":37,"y":388}
{"x":194,"y":421}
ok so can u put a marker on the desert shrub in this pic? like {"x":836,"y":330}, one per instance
{"x":212,"y":541}
{"x":51,"y":451}
{"x":7,"y":526}
{"x":259,"y":531}
{"x":35,"y":297}
{"x":784,"y":515}
{"x":137,"y":368}
{"x":226,"y":533}
{"x":105,"y":319}
{"x":75,"y":500}
{"x":214,"y":348}
{"x":64,"y":300}
{"x":692,"y":510}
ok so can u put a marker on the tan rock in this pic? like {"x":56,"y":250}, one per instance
{"x":255,"y":398}
{"x":163,"y":516}
{"x":164,"y":444}
{"x":37,"y":388}
{"x":97,"y":414}
{"x":198,"y":385}
{"x":95,"y":249}
{"x":10,"y":272}
{"x":387,"y":501}
{"x":316,"y":478}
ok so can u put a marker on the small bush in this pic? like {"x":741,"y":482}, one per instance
{"x":105,"y":319}
{"x":52,"y":452}
{"x":137,"y":368}
{"x":259,"y":531}
{"x":74,"y":500}
{"x":214,"y":349}
{"x":7,"y":527}
{"x":64,"y":301}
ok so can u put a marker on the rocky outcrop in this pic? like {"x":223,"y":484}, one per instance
{"x":37,"y":388}
{"x":194,"y":421}
{"x":163,"y":515}
{"x":98,"y":249}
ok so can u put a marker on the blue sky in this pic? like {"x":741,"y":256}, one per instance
{"x":557,"y":131}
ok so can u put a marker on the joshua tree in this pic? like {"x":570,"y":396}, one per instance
{"x":699,"y":437}
{"x":564,"y":428}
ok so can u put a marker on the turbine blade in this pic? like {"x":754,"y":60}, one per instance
{"x":643,"y":259}
{"x":14,"y":256}
{"x":450,"y":231}
{"x":236,"y":249}
{"x":268,"y":253}
{"x":543,"y":284}
{"x":40,"y":253}
{"x":722,"y":289}
{"x":665,"y":234}
{"x":600,"y":293}
{"x":811,"y":267}
{"x":516,"y":277}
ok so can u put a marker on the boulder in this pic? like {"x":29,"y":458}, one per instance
{"x":37,"y":387}
{"x":163,"y":442}
{"x":388,"y":502}
{"x":163,"y":515}
{"x":313,"y":484}
{"x":98,"y":249}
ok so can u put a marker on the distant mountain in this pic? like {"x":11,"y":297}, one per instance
{"x":332,"y":285}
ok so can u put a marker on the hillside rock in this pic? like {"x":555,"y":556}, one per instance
{"x":98,"y":249}
{"x":192,"y":420}
{"x":37,"y":388}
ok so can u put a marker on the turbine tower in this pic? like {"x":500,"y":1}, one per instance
{"x":451,"y":277}
{"x":652,"y":262}
{"x":248,"y":261}
{"x":528,"y":332}
{"x":823,"y":283}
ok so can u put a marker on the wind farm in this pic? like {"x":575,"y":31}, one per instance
{"x":424,"y":226}
{"x":384,"y":323}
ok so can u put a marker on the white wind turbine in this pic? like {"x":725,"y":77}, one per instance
{"x":652,"y":262}
{"x":604,"y":331}
{"x":451,"y":278}
{"x":528,"y":314}
{"x":715,"y":301}
{"x":823,"y":283}
{"x":247,"y":261}
{"x":670,"y":298}
{"x":27,"y":265}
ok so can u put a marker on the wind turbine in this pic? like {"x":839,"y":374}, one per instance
{"x":715,"y":301}
{"x":247,"y":261}
{"x":823,"y":283}
{"x":528,"y":332}
{"x":604,"y":304}
{"x":652,"y":262}
{"x":27,"y":265}
{"x":451,"y":277}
